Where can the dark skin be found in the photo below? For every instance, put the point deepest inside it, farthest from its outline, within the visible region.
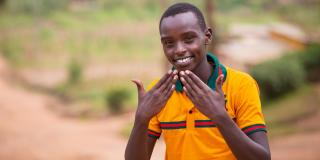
(183, 38)
(150, 103)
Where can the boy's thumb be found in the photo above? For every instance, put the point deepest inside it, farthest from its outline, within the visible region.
(219, 82)
(139, 86)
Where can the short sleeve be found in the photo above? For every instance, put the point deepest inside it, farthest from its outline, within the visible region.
(249, 115)
(154, 130)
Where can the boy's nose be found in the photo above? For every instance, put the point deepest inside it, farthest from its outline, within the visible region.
(180, 49)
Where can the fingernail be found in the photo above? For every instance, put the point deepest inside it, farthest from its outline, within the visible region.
(182, 73)
(175, 77)
(173, 86)
(170, 71)
(184, 88)
(175, 72)
(187, 71)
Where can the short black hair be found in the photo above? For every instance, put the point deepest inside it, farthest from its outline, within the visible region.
(182, 8)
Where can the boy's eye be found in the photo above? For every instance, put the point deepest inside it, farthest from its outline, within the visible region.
(168, 44)
(188, 39)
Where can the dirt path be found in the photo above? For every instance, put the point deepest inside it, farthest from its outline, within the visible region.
(296, 147)
(28, 130)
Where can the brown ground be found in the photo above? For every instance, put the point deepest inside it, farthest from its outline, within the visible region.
(28, 130)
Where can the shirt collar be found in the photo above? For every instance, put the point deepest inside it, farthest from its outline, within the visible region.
(217, 69)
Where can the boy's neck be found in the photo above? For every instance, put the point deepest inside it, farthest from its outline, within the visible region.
(204, 70)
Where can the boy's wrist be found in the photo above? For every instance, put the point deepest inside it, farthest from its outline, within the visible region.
(142, 119)
(219, 119)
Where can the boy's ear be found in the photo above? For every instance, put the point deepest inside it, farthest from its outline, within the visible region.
(208, 34)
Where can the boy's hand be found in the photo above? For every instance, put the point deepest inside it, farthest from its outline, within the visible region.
(150, 103)
(210, 102)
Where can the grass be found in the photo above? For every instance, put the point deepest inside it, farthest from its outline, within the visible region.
(94, 92)
(307, 17)
(68, 34)
(282, 114)
(7, 22)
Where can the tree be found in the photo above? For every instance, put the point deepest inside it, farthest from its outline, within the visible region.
(209, 9)
(2, 3)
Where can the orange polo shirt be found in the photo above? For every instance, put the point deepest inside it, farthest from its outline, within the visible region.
(190, 135)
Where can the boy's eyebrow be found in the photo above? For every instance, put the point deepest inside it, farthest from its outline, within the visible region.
(183, 34)
(165, 38)
(189, 32)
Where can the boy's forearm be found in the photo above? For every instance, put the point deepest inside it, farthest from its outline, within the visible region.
(137, 148)
(240, 144)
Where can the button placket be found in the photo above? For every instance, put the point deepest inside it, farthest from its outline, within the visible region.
(191, 119)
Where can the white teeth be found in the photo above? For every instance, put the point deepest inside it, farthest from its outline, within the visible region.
(184, 60)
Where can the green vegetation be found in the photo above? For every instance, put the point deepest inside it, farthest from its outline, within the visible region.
(35, 6)
(11, 49)
(278, 77)
(283, 114)
(115, 99)
(281, 76)
(305, 15)
(310, 59)
(75, 70)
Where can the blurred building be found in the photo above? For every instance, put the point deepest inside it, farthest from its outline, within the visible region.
(250, 44)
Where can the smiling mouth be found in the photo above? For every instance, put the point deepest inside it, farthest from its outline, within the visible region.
(184, 61)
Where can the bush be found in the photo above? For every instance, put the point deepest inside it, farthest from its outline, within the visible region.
(115, 99)
(75, 70)
(278, 77)
(310, 59)
(11, 50)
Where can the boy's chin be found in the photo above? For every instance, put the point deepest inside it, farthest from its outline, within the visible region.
(183, 68)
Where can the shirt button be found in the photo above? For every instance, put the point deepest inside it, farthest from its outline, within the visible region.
(190, 111)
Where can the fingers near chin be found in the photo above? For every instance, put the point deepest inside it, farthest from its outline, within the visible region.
(169, 92)
(188, 93)
(183, 80)
(191, 75)
(162, 87)
(186, 85)
(175, 78)
(164, 79)
(221, 77)
(185, 90)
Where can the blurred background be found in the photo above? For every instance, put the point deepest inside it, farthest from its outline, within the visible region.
(66, 66)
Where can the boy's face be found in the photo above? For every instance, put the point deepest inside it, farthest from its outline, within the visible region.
(183, 41)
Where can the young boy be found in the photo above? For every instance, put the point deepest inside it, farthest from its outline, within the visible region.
(203, 109)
